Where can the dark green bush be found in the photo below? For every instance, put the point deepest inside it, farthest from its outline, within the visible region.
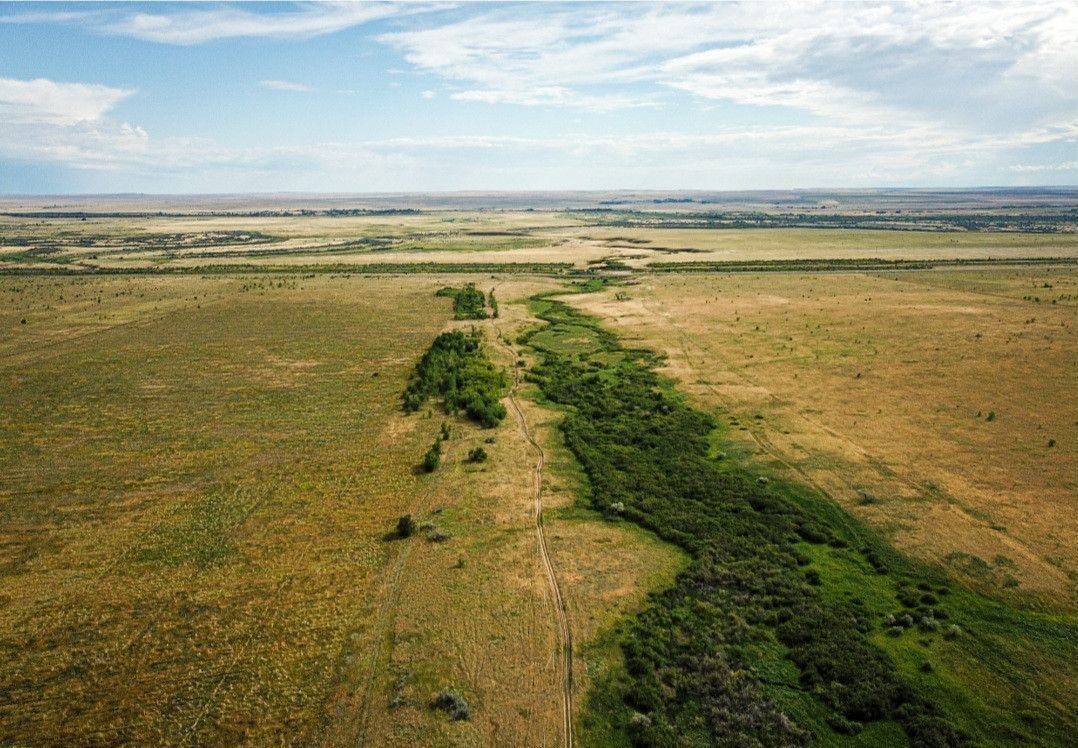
(433, 458)
(406, 526)
(468, 301)
(453, 704)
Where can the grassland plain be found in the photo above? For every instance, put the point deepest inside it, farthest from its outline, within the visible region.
(937, 406)
(200, 464)
(187, 491)
(1002, 676)
(475, 612)
(298, 242)
(198, 479)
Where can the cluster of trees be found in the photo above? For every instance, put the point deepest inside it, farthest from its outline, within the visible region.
(468, 301)
(691, 654)
(457, 368)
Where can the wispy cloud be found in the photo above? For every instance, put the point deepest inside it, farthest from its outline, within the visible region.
(738, 95)
(849, 62)
(197, 25)
(42, 101)
(284, 86)
(1038, 168)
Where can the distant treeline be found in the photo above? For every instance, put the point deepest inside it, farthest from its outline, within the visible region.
(1046, 222)
(331, 212)
(457, 368)
(376, 268)
(852, 264)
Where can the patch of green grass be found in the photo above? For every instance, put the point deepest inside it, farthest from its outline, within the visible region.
(205, 535)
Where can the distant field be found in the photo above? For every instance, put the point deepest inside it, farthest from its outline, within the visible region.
(883, 386)
(314, 242)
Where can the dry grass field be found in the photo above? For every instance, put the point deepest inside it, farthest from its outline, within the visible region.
(198, 479)
(202, 469)
(938, 406)
(311, 242)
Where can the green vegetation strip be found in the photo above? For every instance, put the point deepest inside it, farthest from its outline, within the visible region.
(856, 264)
(457, 368)
(792, 623)
(379, 268)
(1042, 221)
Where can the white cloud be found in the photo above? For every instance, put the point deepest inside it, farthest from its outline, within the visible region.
(427, 94)
(981, 65)
(1036, 168)
(47, 102)
(284, 86)
(197, 26)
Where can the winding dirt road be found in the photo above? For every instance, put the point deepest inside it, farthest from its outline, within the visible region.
(544, 552)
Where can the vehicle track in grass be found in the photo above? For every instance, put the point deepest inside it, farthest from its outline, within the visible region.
(565, 632)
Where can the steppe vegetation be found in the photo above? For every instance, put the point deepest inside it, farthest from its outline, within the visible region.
(806, 471)
(793, 621)
(906, 397)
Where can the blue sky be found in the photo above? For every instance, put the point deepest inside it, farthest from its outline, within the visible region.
(353, 97)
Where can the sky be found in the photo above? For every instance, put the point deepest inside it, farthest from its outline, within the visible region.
(377, 97)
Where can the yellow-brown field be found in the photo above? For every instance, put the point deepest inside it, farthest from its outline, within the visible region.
(938, 406)
(199, 476)
(300, 242)
(202, 467)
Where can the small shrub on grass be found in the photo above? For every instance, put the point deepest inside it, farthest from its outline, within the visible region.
(405, 526)
(453, 704)
(433, 457)
(445, 431)
(477, 455)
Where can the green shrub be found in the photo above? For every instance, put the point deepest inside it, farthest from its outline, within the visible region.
(433, 458)
(468, 301)
(453, 704)
(406, 526)
(477, 455)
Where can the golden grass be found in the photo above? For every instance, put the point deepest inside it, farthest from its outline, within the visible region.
(884, 384)
(694, 245)
(197, 480)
